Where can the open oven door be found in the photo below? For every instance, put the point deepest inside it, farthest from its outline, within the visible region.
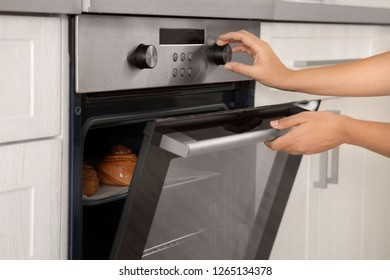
(206, 187)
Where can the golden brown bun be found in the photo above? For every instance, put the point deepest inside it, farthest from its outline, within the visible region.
(117, 168)
(90, 180)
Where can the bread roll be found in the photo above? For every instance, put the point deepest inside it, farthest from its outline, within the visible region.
(117, 168)
(90, 180)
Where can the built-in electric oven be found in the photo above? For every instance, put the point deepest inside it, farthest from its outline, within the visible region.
(204, 185)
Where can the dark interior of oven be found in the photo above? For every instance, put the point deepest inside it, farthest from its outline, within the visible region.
(101, 217)
(109, 119)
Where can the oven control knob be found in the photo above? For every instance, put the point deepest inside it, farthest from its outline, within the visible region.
(146, 56)
(222, 54)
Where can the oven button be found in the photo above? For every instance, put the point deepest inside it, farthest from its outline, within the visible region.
(190, 57)
(146, 56)
(190, 71)
(183, 56)
(175, 57)
(182, 72)
(222, 54)
(174, 72)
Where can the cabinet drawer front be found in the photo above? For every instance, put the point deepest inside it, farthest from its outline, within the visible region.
(30, 85)
(301, 45)
(30, 200)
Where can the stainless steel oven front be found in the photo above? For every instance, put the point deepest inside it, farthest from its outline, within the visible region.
(204, 184)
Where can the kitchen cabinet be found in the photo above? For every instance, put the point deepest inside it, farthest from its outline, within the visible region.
(376, 215)
(30, 77)
(33, 126)
(326, 223)
(30, 200)
(335, 212)
(350, 218)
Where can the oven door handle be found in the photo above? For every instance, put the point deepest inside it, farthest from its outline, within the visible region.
(184, 146)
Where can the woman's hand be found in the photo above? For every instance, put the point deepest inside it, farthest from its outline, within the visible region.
(266, 69)
(310, 133)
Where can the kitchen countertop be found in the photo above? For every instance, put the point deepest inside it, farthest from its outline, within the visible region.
(328, 11)
(278, 10)
(41, 6)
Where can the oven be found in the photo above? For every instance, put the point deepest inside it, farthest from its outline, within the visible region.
(202, 184)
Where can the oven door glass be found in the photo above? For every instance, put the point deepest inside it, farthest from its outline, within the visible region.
(206, 187)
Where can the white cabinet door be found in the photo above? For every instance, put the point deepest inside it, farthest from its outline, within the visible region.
(325, 223)
(349, 219)
(30, 77)
(292, 236)
(30, 200)
(335, 212)
(376, 204)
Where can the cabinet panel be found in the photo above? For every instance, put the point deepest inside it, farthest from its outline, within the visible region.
(291, 239)
(376, 219)
(349, 219)
(17, 226)
(30, 73)
(30, 200)
(336, 211)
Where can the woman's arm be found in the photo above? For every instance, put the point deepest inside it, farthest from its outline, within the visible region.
(315, 132)
(366, 77)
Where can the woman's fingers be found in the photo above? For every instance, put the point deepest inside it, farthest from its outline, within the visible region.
(310, 133)
(242, 48)
(242, 36)
(289, 122)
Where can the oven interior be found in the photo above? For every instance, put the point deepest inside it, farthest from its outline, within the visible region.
(102, 211)
(109, 119)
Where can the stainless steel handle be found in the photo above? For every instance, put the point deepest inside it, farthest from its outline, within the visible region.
(324, 180)
(315, 63)
(184, 146)
(334, 171)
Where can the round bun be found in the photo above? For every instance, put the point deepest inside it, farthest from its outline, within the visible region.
(117, 168)
(90, 180)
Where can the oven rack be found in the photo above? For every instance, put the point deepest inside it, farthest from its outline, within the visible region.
(108, 193)
(105, 193)
(201, 234)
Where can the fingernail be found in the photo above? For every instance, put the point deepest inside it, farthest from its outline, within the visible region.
(274, 123)
(228, 66)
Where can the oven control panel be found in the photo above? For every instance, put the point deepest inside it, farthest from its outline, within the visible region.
(123, 52)
(145, 56)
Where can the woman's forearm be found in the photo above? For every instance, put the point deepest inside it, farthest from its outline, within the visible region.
(366, 77)
(374, 136)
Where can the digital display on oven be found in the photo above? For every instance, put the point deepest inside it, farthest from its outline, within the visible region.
(181, 36)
